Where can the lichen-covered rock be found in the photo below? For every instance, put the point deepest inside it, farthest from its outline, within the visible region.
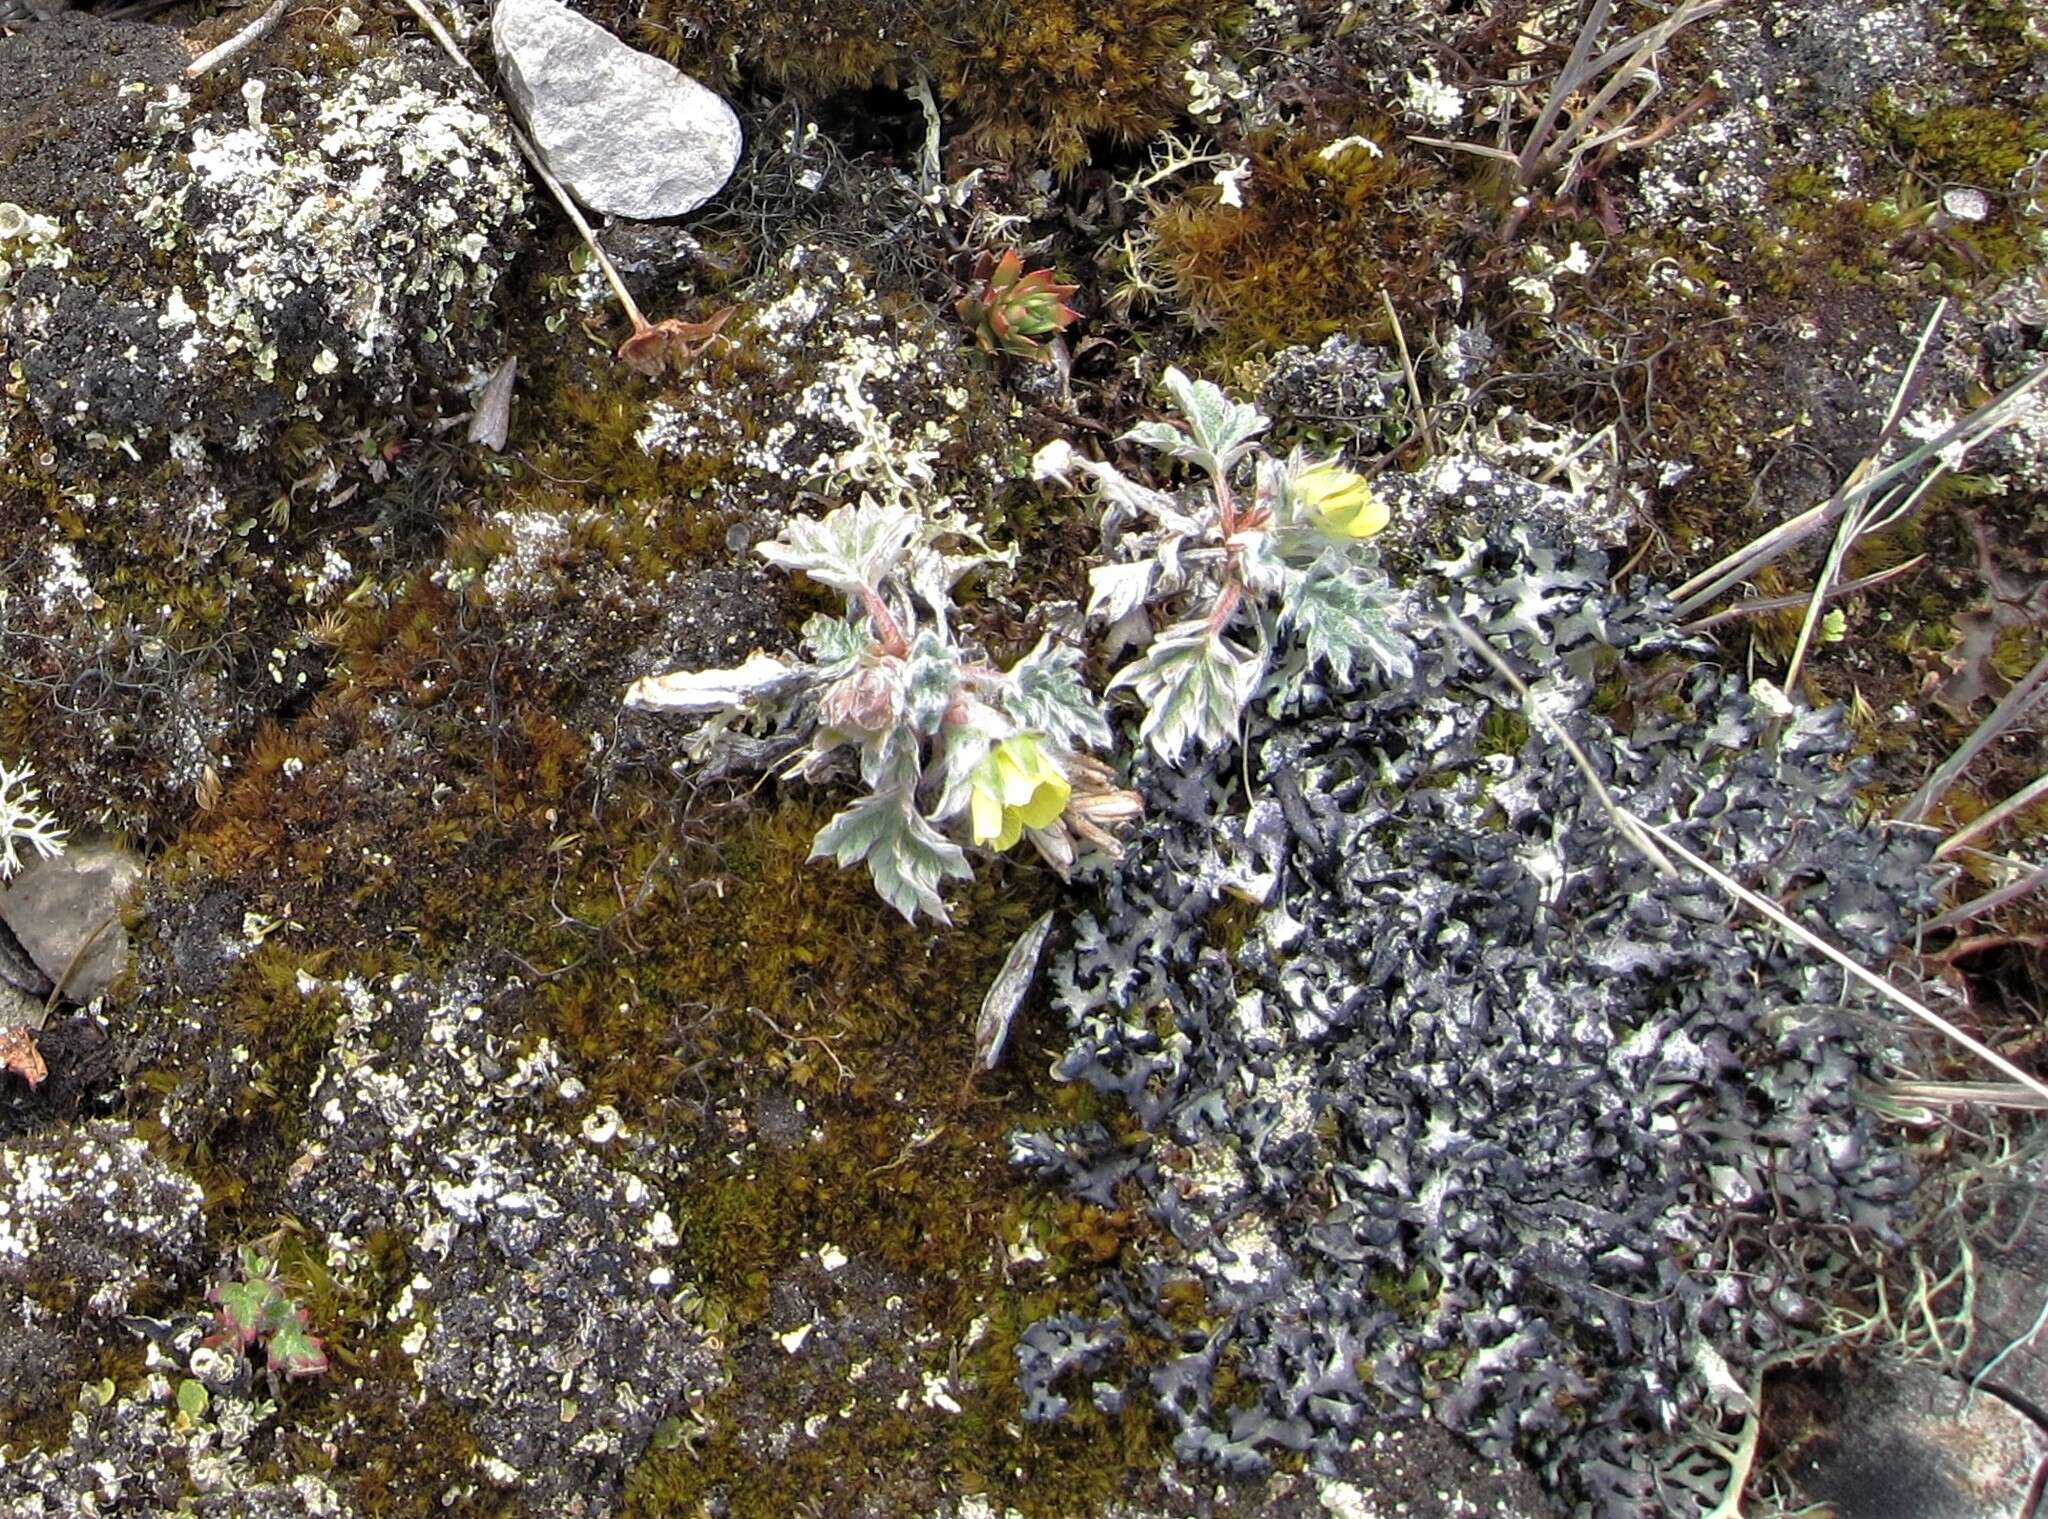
(842, 394)
(137, 1454)
(1473, 1117)
(207, 275)
(92, 1212)
(548, 1302)
(93, 1226)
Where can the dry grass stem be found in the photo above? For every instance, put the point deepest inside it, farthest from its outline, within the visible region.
(2018, 702)
(2004, 896)
(2018, 802)
(2000, 412)
(1871, 979)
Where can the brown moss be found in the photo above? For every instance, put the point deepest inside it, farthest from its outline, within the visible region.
(1316, 241)
(1030, 78)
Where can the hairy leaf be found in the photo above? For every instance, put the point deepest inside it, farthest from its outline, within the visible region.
(1116, 590)
(850, 548)
(1122, 497)
(761, 681)
(837, 643)
(1049, 697)
(1219, 430)
(929, 676)
(905, 855)
(1194, 684)
(1342, 615)
(966, 745)
(1263, 567)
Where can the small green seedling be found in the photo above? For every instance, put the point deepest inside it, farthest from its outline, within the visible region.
(256, 1308)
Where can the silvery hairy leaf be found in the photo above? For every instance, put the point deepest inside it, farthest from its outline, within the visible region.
(837, 643)
(1116, 589)
(1194, 684)
(1263, 567)
(761, 680)
(930, 674)
(1123, 499)
(966, 745)
(908, 858)
(1048, 696)
(1342, 615)
(850, 549)
(1219, 431)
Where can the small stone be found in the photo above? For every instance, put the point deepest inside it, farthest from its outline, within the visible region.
(627, 134)
(1965, 204)
(67, 914)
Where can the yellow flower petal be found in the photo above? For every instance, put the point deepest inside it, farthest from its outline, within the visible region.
(1046, 804)
(1338, 501)
(984, 811)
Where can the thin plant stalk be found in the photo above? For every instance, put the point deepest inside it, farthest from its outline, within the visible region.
(1857, 519)
(1994, 415)
(1962, 1094)
(2018, 802)
(1408, 370)
(1780, 603)
(1797, 930)
(1991, 901)
(2018, 701)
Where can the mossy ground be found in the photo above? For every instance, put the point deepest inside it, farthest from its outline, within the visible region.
(408, 777)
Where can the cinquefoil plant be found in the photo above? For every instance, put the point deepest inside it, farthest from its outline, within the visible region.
(944, 740)
(1260, 594)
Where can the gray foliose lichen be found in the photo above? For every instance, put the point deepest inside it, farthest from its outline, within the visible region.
(1485, 1117)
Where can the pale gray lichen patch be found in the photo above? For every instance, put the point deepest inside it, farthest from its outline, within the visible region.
(852, 397)
(325, 254)
(132, 1452)
(93, 1209)
(549, 1299)
(1792, 82)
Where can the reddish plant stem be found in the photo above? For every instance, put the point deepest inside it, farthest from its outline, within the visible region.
(1226, 604)
(887, 632)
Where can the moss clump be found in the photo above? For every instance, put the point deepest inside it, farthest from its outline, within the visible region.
(1327, 224)
(1029, 77)
(1981, 145)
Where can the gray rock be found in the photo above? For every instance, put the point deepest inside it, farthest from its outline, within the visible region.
(67, 914)
(1907, 1442)
(628, 134)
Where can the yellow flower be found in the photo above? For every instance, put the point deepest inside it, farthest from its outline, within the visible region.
(1015, 787)
(1338, 500)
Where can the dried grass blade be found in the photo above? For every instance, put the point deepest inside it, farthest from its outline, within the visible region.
(1813, 941)
(1991, 901)
(2017, 703)
(2018, 802)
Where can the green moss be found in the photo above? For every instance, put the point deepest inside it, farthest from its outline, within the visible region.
(1503, 731)
(1967, 143)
